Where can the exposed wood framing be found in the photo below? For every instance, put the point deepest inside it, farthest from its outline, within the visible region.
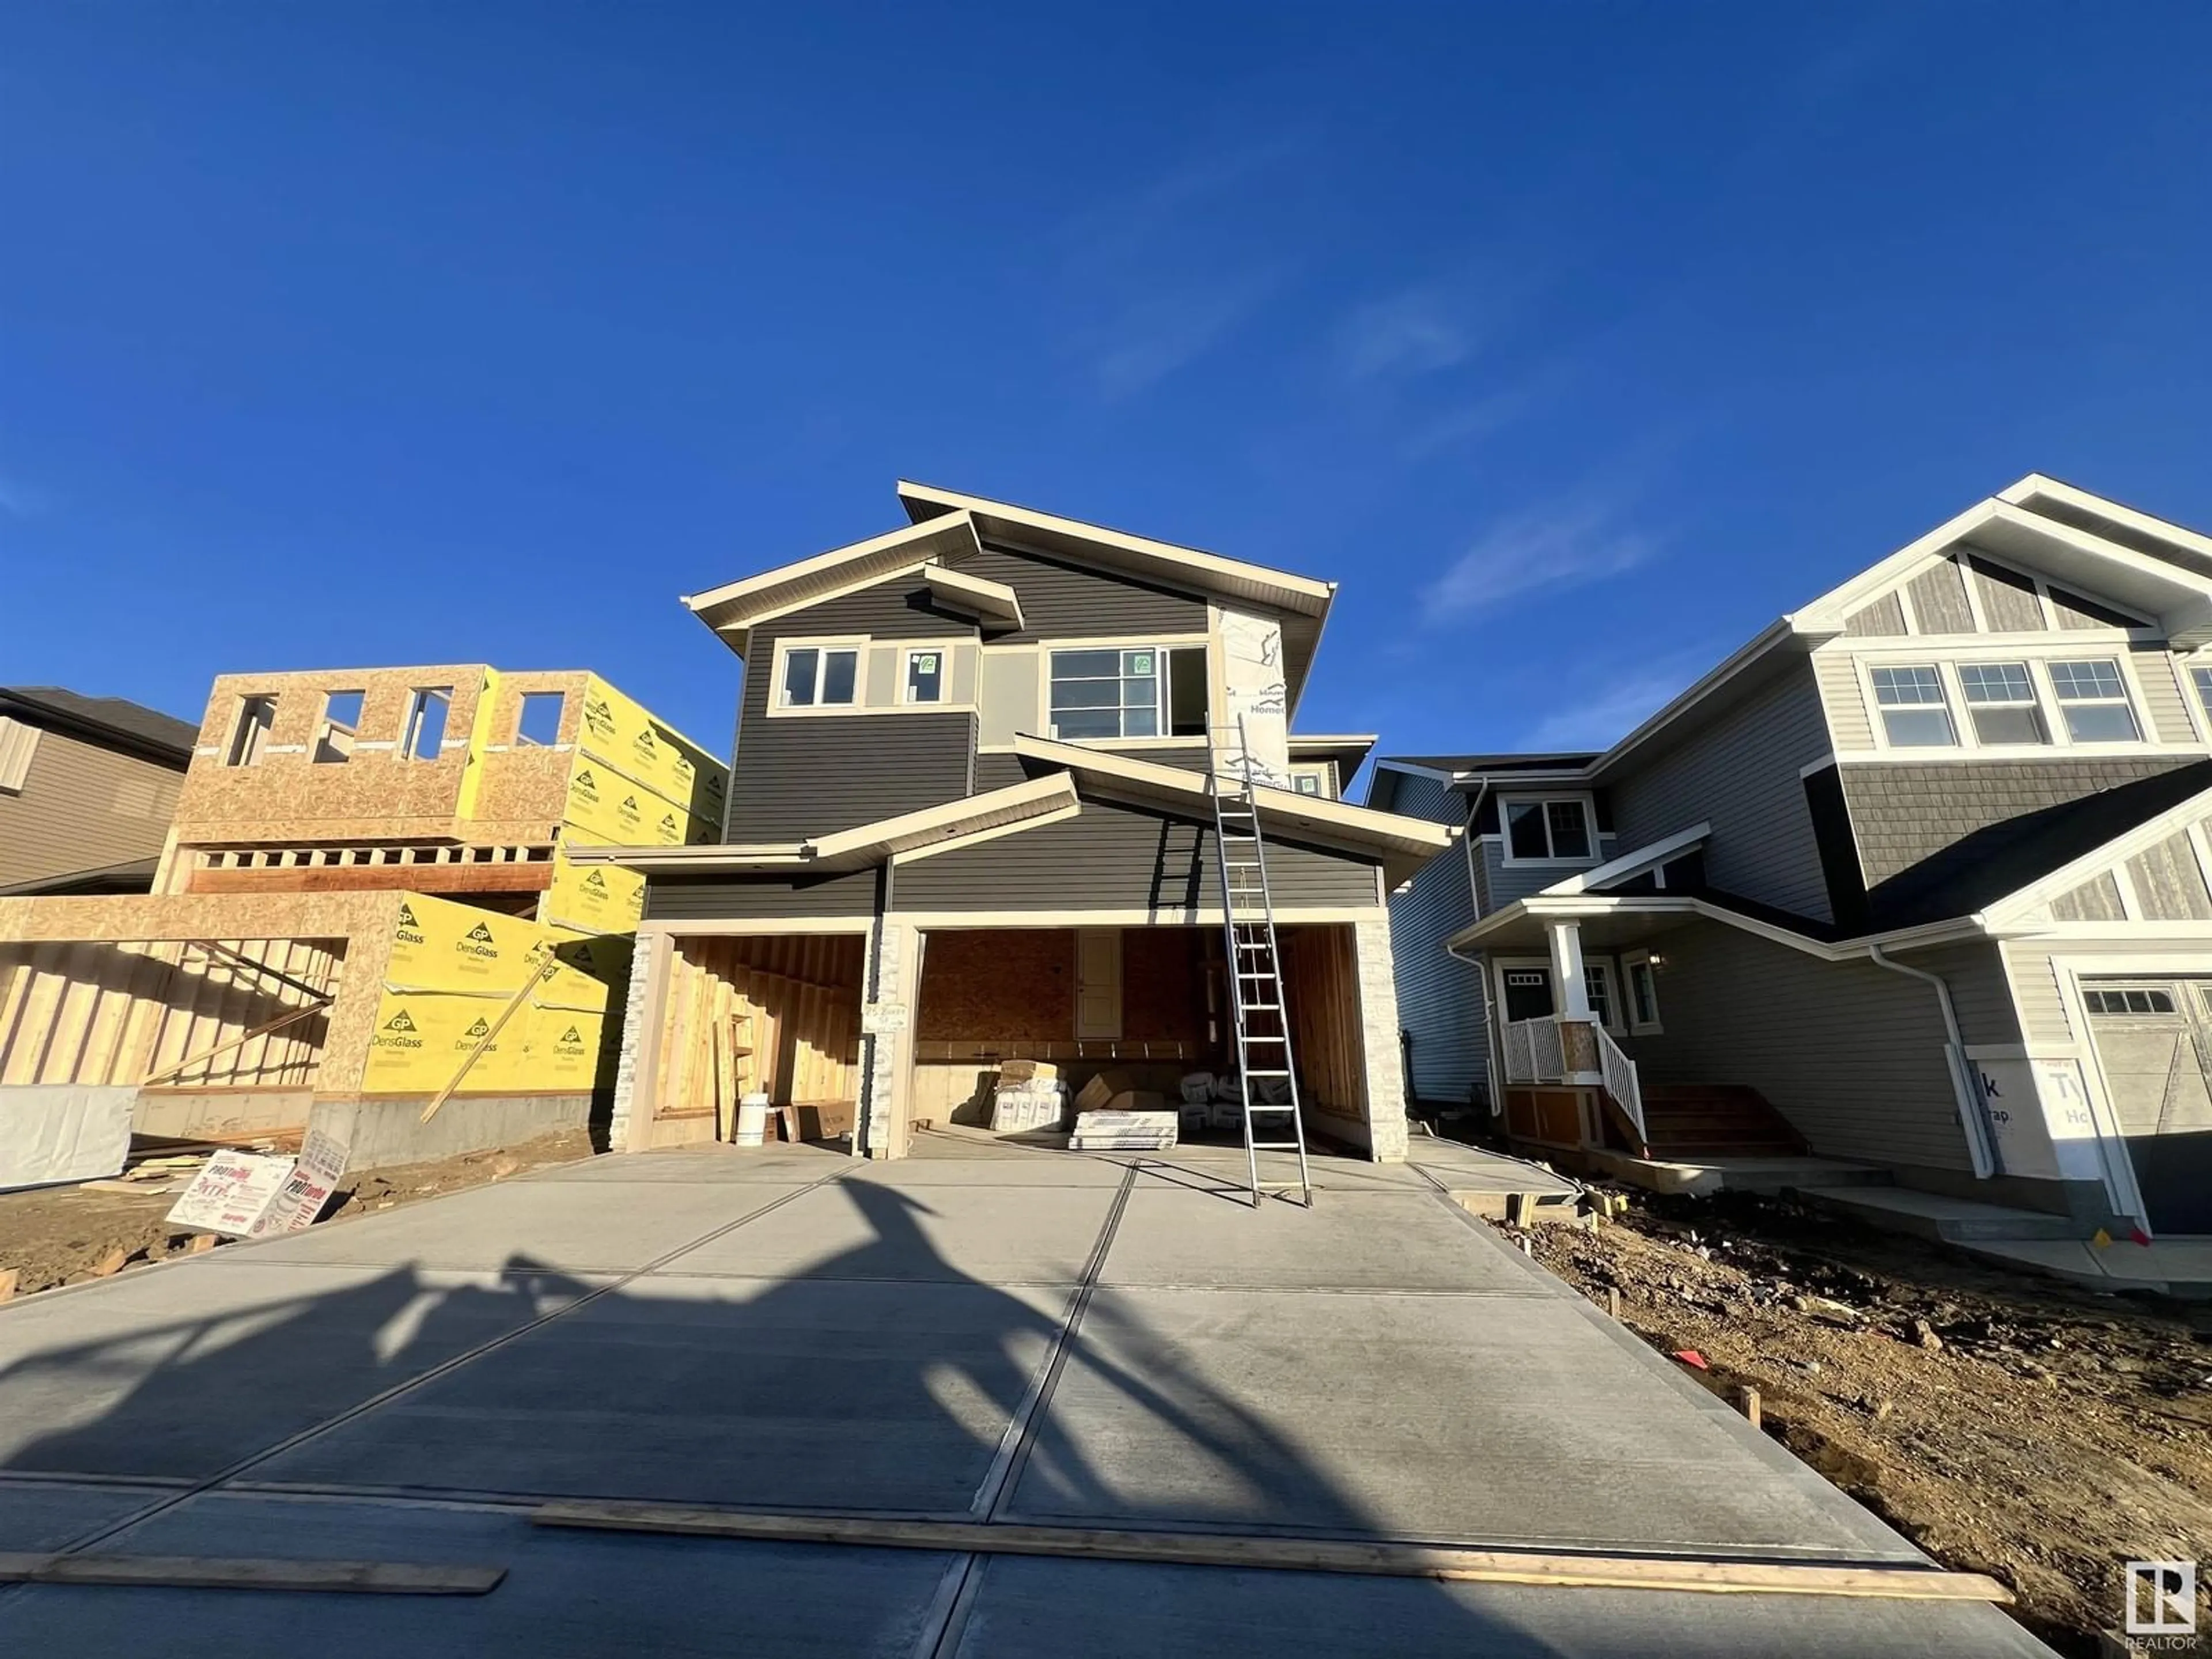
(796, 1001)
(1321, 985)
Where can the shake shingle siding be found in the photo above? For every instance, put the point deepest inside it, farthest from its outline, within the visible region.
(1440, 1002)
(1851, 1053)
(1116, 858)
(1742, 773)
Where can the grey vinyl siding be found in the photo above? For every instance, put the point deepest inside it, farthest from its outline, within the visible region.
(1194, 758)
(1066, 601)
(2095, 900)
(711, 898)
(1117, 857)
(2158, 674)
(1440, 1000)
(83, 807)
(2034, 978)
(1903, 813)
(1981, 995)
(1852, 1054)
(1742, 773)
(1503, 883)
(805, 775)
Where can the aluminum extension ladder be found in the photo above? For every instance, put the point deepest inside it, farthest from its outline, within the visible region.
(1256, 976)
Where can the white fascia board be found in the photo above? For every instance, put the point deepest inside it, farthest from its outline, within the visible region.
(871, 843)
(1773, 636)
(2035, 486)
(2012, 908)
(992, 601)
(1413, 771)
(1307, 594)
(1633, 863)
(709, 859)
(735, 605)
(1567, 907)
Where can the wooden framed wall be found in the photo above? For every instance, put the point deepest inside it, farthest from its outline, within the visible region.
(1322, 974)
(790, 1002)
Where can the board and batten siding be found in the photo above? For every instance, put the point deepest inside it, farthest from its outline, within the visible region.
(1440, 1000)
(1851, 1053)
(1743, 772)
(804, 775)
(83, 807)
(1117, 857)
(714, 898)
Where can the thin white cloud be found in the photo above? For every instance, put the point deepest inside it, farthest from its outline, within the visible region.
(1531, 552)
(1414, 333)
(1136, 349)
(1613, 711)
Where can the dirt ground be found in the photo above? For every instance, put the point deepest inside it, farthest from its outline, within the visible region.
(66, 1235)
(2009, 1425)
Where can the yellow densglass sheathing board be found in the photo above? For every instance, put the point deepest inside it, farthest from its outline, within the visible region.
(453, 971)
(625, 735)
(607, 808)
(594, 898)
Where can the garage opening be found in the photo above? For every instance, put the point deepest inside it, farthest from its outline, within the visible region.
(1150, 1003)
(751, 1016)
(2154, 1039)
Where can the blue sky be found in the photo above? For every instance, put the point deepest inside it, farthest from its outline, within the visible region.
(1576, 341)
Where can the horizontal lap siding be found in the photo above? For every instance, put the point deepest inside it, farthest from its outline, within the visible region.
(2035, 977)
(710, 899)
(804, 775)
(1440, 1005)
(1845, 699)
(82, 807)
(1980, 994)
(1852, 1054)
(1743, 772)
(1112, 858)
(2158, 675)
(1065, 601)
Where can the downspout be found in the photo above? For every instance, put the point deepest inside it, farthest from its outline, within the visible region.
(1964, 1085)
(1493, 1053)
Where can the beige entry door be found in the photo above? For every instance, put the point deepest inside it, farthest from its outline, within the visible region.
(1097, 983)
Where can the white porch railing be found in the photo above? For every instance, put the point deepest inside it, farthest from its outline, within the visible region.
(1520, 1053)
(1620, 1080)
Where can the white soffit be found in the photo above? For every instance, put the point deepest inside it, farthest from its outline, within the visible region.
(993, 602)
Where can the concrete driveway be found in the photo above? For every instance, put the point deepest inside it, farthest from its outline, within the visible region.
(1036, 1337)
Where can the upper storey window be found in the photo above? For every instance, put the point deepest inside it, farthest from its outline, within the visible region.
(1548, 831)
(2094, 700)
(1106, 693)
(1913, 712)
(2000, 702)
(820, 677)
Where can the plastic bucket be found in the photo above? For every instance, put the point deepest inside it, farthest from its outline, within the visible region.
(752, 1119)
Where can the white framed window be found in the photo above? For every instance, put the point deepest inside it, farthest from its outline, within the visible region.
(1641, 971)
(818, 674)
(2201, 678)
(1914, 713)
(2001, 703)
(923, 674)
(1312, 781)
(2093, 701)
(1598, 984)
(1553, 830)
(1107, 691)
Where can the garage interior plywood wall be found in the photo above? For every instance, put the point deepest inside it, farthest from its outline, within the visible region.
(1322, 985)
(116, 1012)
(988, 985)
(791, 1005)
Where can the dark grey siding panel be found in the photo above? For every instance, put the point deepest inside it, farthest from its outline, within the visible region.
(997, 771)
(1440, 1005)
(813, 776)
(1850, 1054)
(1980, 994)
(708, 898)
(1903, 814)
(1191, 759)
(1742, 774)
(1115, 858)
(1065, 601)
(1503, 883)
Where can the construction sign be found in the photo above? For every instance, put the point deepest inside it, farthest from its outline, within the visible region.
(595, 898)
(624, 734)
(439, 946)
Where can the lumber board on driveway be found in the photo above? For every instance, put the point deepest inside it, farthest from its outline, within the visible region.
(238, 1572)
(1380, 1558)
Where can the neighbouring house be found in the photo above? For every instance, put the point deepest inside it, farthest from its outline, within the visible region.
(1917, 878)
(87, 789)
(365, 902)
(971, 820)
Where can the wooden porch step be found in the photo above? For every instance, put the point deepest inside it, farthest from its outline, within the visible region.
(1717, 1120)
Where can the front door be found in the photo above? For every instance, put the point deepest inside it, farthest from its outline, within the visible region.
(1099, 982)
(2155, 1043)
(1527, 992)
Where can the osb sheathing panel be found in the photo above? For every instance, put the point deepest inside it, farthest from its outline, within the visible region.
(1014, 985)
(288, 796)
(1163, 975)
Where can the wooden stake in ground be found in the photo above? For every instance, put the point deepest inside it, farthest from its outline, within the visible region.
(218, 1572)
(1387, 1559)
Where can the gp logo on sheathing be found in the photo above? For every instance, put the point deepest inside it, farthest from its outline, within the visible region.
(596, 880)
(400, 1022)
(2161, 1598)
(481, 1028)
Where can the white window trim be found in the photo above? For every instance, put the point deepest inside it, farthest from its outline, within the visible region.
(1965, 740)
(907, 653)
(856, 643)
(1590, 823)
(1629, 961)
(1158, 647)
(1616, 989)
(1325, 770)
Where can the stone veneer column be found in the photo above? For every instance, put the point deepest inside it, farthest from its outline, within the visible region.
(891, 947)
(633, 1037)
(1378, 1022)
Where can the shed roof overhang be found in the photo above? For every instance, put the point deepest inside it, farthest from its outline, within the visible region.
(1401, 845)
(733, 608)
(1616, 921)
